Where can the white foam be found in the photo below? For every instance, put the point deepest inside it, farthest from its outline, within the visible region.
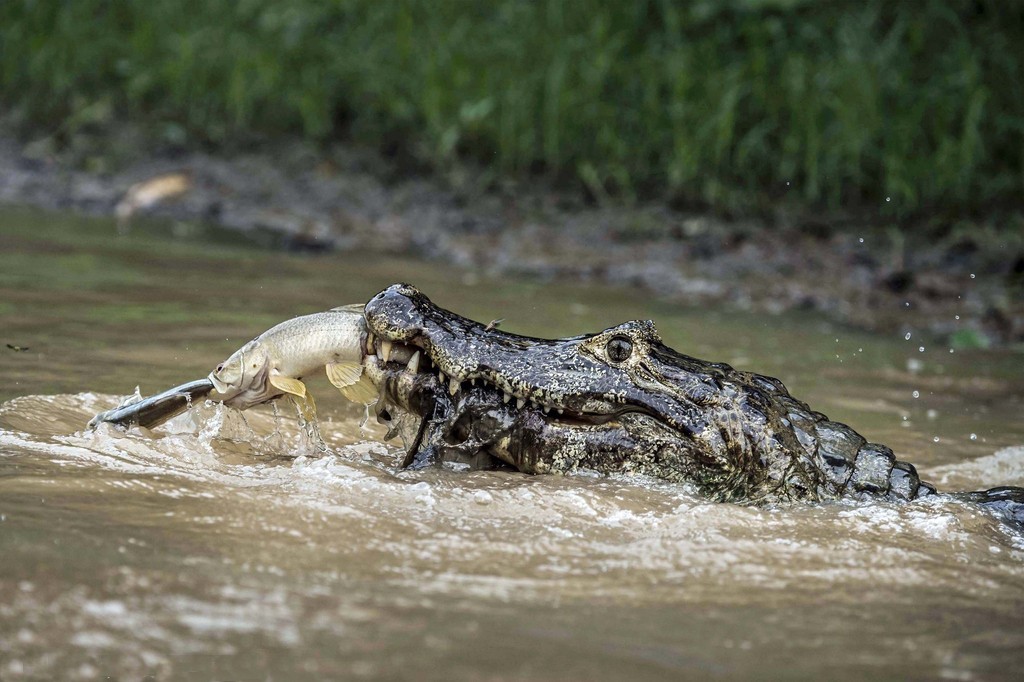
(499, 534)
(1003, 467)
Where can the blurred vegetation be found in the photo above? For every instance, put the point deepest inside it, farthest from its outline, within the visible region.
(902, 107)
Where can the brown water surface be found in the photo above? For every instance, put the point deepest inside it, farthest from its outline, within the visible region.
(223, 547)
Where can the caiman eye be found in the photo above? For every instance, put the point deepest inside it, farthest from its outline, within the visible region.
(619, 348)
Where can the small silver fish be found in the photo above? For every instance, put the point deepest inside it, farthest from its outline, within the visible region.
(155, 410)
(274, 363)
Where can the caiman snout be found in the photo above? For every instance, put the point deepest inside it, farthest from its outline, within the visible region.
(586, 378)
(394, 313)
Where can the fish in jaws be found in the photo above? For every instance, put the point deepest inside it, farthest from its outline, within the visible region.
(274, 363)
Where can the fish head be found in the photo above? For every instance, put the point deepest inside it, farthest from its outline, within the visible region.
(246, 371)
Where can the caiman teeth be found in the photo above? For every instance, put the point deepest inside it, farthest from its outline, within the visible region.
(369, 344)
(453, 386)
(414, 363)
(507, 397)
(385, 350)
(520, 403)
(440, 376)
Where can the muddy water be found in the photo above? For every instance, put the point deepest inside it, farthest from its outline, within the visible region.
(223, 547)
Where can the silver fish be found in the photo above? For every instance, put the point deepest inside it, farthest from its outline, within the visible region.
(155, 410)
(269, 366)
(274, 363)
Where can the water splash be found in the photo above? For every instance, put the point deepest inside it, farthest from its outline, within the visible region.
(249, 528)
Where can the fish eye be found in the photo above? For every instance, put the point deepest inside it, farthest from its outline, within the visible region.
(619, 348)
(220, 368)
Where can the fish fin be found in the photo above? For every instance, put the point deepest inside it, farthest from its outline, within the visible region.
(348, 378)
(362, 392)
(343, 374)
(350, 308)
(288, 385)
(307, 408)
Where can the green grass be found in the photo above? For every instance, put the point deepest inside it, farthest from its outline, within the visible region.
(899, 107)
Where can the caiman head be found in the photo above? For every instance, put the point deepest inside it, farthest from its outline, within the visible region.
(617, 400)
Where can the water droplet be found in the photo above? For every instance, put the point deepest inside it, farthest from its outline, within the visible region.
(861, 240)
(907, 337)
(920, 349)
(906, 418)
(860, 350)
(956, 317)
(935, 439)
(932, 414)
(972, 275)
(974, 436)
(916, 394)
(787, 183)
(888, 199)
(951, 351)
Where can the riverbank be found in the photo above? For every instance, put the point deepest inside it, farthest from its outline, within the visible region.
(961, 284)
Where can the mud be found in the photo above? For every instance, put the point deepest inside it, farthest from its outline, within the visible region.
(962, 282)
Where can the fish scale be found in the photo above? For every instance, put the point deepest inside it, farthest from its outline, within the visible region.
(274, 363)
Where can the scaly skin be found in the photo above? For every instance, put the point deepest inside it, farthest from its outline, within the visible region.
(583, 403)
(837, 463)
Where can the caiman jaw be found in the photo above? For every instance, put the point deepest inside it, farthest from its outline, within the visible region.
(391, 357)
(407, 331)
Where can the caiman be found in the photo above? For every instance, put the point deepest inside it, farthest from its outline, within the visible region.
(618, 401)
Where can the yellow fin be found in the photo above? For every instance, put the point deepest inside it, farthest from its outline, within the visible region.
(307, 409)
(362, 392)
(343, 374)
(348, 377)
(288, 385)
